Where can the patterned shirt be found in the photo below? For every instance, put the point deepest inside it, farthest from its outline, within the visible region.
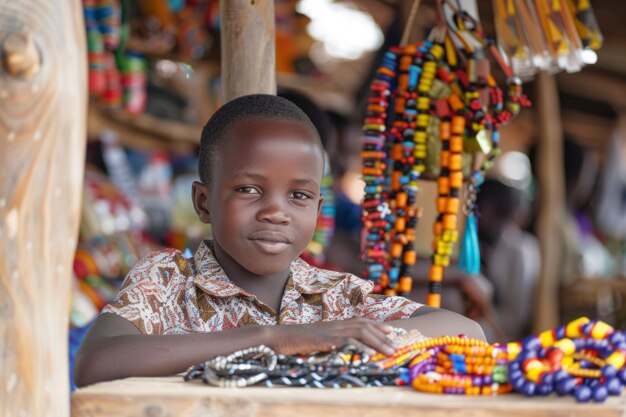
(165, 293)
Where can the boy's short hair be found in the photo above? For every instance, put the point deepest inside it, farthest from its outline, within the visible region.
(263, 106)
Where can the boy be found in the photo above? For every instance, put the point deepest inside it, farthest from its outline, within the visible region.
(261, 164)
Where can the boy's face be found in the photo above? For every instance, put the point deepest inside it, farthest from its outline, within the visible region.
(264, 194)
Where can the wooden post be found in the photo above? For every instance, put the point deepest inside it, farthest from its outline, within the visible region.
(248, 47)
(552, 202)
(43, 98)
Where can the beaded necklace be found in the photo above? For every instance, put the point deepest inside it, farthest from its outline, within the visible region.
(315, 252)
(404, 98)
(342, 368)
(584, 358)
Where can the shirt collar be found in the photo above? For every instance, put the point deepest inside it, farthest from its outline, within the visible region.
(305, 279)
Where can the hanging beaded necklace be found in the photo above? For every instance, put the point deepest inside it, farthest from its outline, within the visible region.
(415, 85)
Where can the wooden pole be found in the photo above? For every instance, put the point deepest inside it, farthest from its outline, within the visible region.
(248, 48)
(552, 202)
(43, 97)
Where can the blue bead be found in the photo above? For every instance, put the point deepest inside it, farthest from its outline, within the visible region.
(609, 371)
(616, 337)
(560, 374)
(559, 332)
(515, 374)
(394, 273)
(614, 386)
(582, 393)
(544, 389)
(531, 343)
(518, 384)
(529, 388)
(600, 393)
(548, 379)
(565, 386)
(524, 355)
(514, 366)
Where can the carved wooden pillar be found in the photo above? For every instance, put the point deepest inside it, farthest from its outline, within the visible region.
(248, 47)
(43, 98)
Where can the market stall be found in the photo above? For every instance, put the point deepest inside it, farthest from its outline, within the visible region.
(44, 113)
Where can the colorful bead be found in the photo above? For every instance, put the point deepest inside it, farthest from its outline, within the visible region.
(582, 360)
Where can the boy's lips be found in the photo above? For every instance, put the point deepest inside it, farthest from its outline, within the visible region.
(270, 242)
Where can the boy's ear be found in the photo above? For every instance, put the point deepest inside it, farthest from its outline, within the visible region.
(200, 198)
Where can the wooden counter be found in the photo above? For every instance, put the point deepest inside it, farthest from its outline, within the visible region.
(171, 397)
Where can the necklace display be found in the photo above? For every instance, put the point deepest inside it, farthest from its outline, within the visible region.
(432, 83)
(585, 359)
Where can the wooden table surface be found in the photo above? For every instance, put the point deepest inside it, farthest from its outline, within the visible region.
(171, 397)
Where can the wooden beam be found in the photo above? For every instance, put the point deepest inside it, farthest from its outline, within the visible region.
(142, 131)
(594, 132)
(552, 198)
(43, 97)
(596, 87)
(248, 48)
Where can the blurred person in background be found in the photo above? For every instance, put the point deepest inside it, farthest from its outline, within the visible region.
(510, 260)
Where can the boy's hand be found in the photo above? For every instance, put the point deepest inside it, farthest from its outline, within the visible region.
(368, 335)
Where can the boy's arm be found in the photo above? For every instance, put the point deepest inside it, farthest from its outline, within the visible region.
(435, 322)
(114, 348)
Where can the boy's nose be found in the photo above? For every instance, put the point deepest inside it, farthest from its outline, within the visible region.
(273, 212)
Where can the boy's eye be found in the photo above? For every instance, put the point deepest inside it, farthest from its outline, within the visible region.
(300, 195)
(247, 190)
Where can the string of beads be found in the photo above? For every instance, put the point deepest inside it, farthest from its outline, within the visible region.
(416, 87)
(584, 358)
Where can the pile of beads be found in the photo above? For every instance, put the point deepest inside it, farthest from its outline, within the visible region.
(343, 368)
(452, 365)
(117, 77)
(583, 358)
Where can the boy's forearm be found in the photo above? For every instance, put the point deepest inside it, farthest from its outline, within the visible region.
(433, 322)
(146, 355)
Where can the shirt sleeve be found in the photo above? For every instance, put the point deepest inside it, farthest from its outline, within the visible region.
(376, 306)
(142, 298)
